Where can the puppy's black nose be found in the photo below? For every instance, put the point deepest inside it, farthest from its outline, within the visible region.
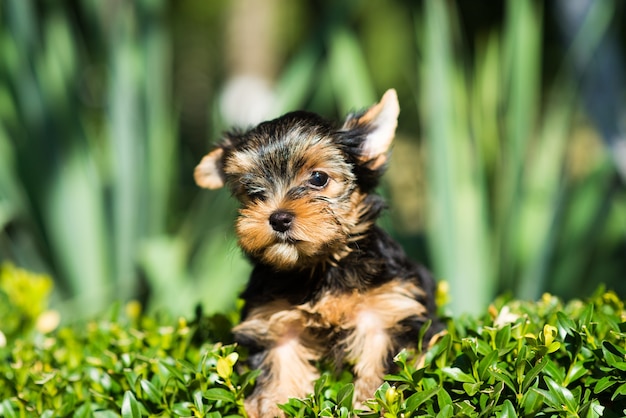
(281, 221)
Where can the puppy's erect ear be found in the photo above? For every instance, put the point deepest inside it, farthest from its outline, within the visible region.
(210, 172)
(379, 122)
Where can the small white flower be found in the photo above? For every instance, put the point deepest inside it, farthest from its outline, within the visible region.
(48, 321)
(505, 317)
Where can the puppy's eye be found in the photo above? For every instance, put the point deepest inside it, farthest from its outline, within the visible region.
(318, 179)
(256, 195)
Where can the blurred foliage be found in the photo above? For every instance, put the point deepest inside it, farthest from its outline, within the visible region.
(544, 358)
(24, 298)
(89, 190)
(105, 108)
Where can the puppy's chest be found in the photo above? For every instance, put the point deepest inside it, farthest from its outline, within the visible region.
(382, 307)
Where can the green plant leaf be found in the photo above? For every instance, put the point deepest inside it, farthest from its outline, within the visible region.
(614, 355)
(487, 362)
(414, 401)
(345, 395)
(446, 412)
(458, 375)
(183, 409)
(561, 396)
(576, 371)
(224, 368)
(586, 316)
(508, 410)
(471, 388)
(603, 384)
(219, 394)
(620, 391)
(174, 371)
(504, 378)
(532, 374)
(153, 394)
(532, 402)
(6, 409)
(566, 325)
(130, 406)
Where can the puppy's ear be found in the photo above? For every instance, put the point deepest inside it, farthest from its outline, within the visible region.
(210, 172)
(379, 124)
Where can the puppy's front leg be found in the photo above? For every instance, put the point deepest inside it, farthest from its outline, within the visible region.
(368, 347)
(287, 369)
(370, 343)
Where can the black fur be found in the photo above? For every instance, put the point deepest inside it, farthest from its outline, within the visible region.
(335, 285)
(376, 259)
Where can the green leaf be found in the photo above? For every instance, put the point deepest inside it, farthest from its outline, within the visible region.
(345, 395)
(443, 399)
(131, 377)
(417, 399)
(471, 388)
(183, 409)
(446, 412)
(563, 396)
(532, 402)
(458, 375)
(500, 375)
(555, 371)
(198, 402)
(466, 408)
(6, 409)
(577, 371)
(565, 323)
(586, 316)
(174, 371)
(614, 355)
(503, 337)
(153, 394)
(532, 374)
(130, 406)
(592, 409)
(621, 390)
(488, 361)
(224, 368)
(219, 394)
(437, 353)
(468, 347)
(248, 377)
(319, 385)
(508, 410)
(603, 384)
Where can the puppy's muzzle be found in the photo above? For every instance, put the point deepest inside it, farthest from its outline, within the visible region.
(281, 221)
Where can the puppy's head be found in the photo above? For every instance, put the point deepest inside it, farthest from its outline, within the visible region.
(303, 183)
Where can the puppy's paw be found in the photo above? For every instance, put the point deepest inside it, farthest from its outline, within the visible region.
(263, 407)
(364, 389)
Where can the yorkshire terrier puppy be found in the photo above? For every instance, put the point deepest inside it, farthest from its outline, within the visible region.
(327, 282)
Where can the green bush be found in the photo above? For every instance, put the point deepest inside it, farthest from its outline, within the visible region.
(544, 358)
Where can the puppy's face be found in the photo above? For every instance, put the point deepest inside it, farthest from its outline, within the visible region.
(302, 183)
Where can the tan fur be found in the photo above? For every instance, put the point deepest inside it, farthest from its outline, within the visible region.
(368, 318)
(208, 173)
(289, 359)
(314, 228)
(383, 116)
(320, 225)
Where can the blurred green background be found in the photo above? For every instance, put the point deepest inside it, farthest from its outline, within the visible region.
(507, 173)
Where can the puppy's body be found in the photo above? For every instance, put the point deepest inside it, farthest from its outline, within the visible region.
(327, 282)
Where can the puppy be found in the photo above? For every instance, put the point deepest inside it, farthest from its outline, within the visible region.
(327, 282)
